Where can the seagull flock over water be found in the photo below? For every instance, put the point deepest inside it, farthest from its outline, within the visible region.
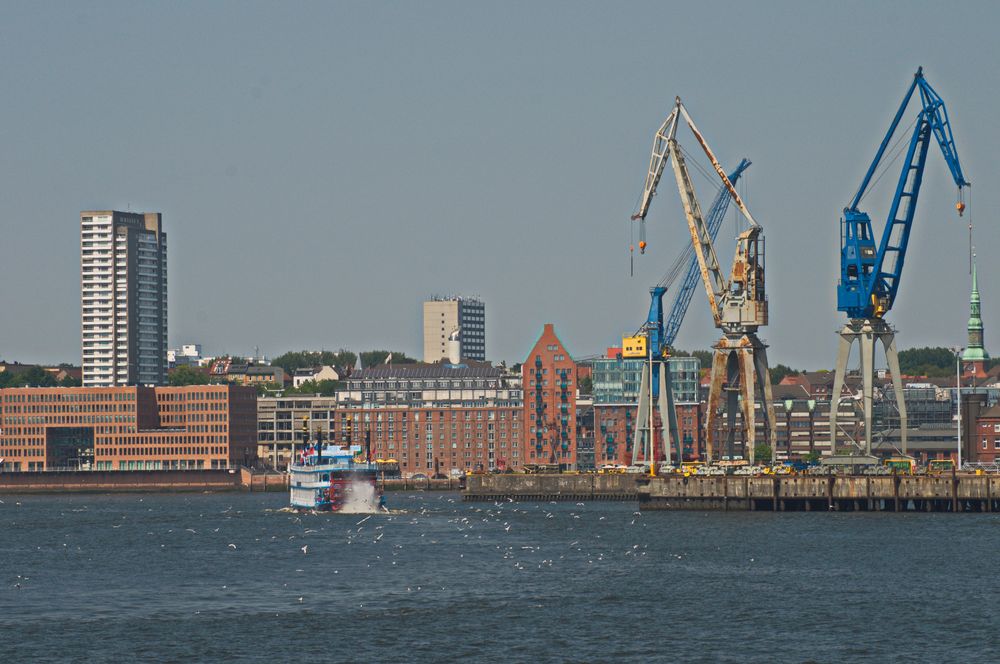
(403, 545)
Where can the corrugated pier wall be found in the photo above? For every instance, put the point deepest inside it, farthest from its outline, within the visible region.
(877, 493)
(551, 487)
(885, 493)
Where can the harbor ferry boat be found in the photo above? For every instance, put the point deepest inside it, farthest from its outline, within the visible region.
(330, 477)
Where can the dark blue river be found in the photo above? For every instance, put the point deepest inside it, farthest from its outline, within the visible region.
(230, 577)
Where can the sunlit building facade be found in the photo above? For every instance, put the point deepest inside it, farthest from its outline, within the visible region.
(127, 428)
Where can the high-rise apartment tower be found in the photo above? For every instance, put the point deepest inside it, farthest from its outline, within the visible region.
(443, 315)
(123, 258)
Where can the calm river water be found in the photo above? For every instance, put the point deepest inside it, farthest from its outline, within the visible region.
(136, 578)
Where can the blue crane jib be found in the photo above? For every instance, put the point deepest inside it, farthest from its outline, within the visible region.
(870, 273)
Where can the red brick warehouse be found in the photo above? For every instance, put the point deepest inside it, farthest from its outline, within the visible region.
(548, 376)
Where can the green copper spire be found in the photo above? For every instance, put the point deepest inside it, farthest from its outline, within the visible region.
(975, 350)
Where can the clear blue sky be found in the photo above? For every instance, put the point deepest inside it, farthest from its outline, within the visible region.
(323, 167)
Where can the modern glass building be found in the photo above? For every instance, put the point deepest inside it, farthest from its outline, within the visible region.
(617, 380)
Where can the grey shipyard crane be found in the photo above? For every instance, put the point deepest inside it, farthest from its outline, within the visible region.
(738, 304)
(655, 338)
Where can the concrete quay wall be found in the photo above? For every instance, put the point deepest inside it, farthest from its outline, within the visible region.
(551, 487)
(421, 484)
(941, 493)
(241, 479)
(104, 481)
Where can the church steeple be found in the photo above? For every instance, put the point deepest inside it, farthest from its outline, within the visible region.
(975, 355)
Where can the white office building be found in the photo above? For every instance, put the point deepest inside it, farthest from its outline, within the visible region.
(123, 257)
(445, 315)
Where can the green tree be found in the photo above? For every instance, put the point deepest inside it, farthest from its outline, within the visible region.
(372, 357)
(586, 385)
(326, 388)
(927, 361)
(303, 359)
(705, 357)
(779, 371)
(762, 453)
(32, 377)
(70, 381)
(185, 375)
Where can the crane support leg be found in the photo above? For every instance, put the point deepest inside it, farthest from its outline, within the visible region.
(764, 379)
(714, 394)
(843, 355)
(866, 338)
(867, 332)
(892, 360)
(643, 435)
(748, 393)
(742, 362)
(732, 399)
(665, 402)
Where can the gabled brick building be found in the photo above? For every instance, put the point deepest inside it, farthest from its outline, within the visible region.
(549, 377)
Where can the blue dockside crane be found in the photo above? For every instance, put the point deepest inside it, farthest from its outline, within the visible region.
(870, 274)
(869, 277)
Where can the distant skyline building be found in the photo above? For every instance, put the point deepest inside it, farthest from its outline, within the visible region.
(123, 261)
(186, 355)
(444, 315)
(975, 356)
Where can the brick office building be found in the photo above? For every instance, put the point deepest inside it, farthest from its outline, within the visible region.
(435, 419)
(986, 442)
(127, 428)
(549, 377)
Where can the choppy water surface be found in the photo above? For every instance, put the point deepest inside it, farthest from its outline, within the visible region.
(228, 577)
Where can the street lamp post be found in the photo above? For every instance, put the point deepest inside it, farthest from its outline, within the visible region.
(958, 392)
(789, 404)
(811, 405)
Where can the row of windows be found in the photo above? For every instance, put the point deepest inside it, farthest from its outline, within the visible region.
(55, 397)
